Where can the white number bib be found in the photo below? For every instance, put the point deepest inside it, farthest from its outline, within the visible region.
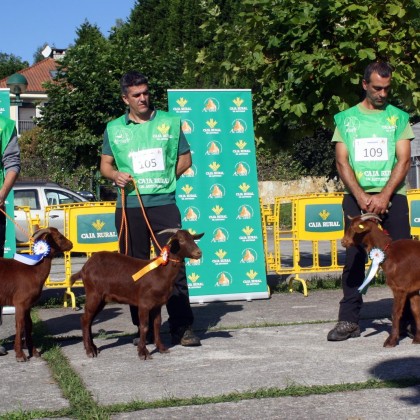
(370, 149)
(147, 160)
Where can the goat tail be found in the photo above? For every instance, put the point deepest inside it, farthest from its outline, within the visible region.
(75, 277)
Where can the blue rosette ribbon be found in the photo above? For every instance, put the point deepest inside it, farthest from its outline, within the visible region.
(40, 250)
(378, 257)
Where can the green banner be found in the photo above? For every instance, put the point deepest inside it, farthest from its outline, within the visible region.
(218, 195)
(415, 213)
(323, 218)
(10, 244)
(96, 228)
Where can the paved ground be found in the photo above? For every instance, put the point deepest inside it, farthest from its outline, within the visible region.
(257, 345)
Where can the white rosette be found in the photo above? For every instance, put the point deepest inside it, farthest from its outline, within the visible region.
(377, 256)
(41, 248)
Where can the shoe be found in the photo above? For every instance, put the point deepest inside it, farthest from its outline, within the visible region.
(186, 337)
(3, 351)
(344, 330)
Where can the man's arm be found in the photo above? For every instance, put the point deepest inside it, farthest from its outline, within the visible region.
(379, 202)
(184, 162)
(108, 171)
(348, 177)
(11, 165)
(9, 181)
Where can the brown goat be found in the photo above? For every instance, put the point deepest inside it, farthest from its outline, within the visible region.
(107, 276)
(401, 268)
(21, 286)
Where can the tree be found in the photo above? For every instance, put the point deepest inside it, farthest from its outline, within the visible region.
(10, 64)
(304, 60)
(85, 95)
(82, 98)
(316, 154)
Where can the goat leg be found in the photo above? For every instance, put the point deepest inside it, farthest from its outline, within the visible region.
(20, 326)
(157, 322)
(143, 328)
(415, 310)
(89, 345)
(92, 308)
(397, 310)
(32, 350)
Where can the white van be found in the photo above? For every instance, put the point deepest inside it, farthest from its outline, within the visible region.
(38, 195)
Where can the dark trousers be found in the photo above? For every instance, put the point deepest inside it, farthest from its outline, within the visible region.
(139, 237)
(396, 223)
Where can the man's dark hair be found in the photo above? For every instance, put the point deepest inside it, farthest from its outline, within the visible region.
(382, 68)
(132, 78)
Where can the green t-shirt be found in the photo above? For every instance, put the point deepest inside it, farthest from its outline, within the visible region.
(370, 137)
(149, 200)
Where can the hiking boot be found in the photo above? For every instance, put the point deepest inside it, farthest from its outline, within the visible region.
(185, 336)
(344, 330)
(3, 351)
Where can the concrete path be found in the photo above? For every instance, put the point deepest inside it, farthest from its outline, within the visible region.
(246, 346)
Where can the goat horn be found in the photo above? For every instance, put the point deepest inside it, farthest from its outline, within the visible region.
(40, 232)
(174, 230)
(367, 216)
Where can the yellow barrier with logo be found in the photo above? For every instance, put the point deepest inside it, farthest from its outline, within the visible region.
(315, 220)
(91, 228)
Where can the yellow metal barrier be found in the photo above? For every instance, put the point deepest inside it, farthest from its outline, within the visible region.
(31, 225)
(316, 219)
(91, 228)
(313, 219)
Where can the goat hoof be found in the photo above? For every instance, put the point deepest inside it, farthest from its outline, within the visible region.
(35, 353)
(390, 343)
(162, 349)
(92, 354)
(145, 355)
(21, 359)
(416, 341)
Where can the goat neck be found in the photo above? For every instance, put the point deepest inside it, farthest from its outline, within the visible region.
(376, 238)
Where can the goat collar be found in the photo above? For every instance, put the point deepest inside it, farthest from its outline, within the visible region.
(163, 259)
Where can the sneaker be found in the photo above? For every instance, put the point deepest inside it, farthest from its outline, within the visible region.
(186, 337)
(344, 330)
(3, 351)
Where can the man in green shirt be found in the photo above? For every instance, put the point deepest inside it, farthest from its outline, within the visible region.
(10, 168)
(147, 146)
(372, 146)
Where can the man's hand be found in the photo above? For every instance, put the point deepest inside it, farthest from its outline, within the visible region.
(378, 204)
(121, 179)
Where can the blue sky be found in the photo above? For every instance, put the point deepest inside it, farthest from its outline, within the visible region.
(27, 24)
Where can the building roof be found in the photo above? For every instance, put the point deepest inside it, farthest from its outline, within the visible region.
(36, 75)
